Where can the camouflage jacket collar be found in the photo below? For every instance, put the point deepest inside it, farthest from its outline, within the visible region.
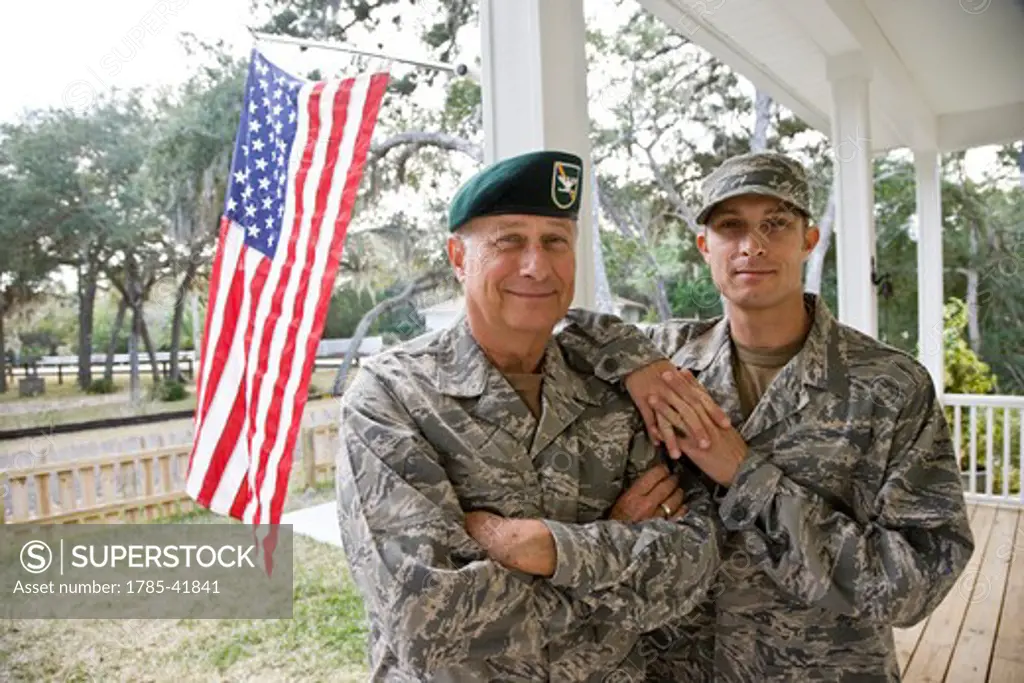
(464, 370)
(822, 360)
(821, 364)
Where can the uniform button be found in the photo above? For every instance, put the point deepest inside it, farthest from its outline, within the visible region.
(739, 513)
(610, 365)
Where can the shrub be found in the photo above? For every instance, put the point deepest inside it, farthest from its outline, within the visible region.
(101, 386)
(966, 373)
(169, 390)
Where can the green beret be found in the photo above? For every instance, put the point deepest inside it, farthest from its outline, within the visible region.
(546, 183)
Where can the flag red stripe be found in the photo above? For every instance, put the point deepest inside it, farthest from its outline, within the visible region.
(229, 322)
(222, 345)
(371, 107)
(233, 426)
(215, 274)
(340, 115)
(241, 499)
(222, 451)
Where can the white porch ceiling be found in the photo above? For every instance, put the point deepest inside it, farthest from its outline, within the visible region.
(945, 74)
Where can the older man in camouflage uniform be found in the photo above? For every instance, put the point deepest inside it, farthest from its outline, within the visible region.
(837, 479)
(480, 479)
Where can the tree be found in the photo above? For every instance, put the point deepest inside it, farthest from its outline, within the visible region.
(186, 174)
(48, 153)
(27, 259)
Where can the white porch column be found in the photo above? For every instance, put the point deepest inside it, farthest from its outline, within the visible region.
(929, 265)
(535, 96)
(855, 199)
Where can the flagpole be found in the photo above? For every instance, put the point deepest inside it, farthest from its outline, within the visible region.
(454, 69)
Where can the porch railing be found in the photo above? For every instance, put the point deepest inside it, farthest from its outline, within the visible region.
(988, 432)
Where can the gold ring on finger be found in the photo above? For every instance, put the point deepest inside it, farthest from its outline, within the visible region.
(666, 509)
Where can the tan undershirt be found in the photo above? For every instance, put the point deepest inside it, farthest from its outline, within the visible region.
(528, 387)
(754, 369)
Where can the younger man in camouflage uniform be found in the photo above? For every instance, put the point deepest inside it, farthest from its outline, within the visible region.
(837, 481)
(478, 476)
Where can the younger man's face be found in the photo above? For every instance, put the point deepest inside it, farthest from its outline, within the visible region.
(756, 246)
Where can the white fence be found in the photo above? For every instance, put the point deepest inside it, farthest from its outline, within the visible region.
(329, 353)
(339, 347)
(988, 432)
(119, 358)
(327, 347)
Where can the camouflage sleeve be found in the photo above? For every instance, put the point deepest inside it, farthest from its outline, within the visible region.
(418, 570)
(645, 575)
(612, 349)
(894, 568)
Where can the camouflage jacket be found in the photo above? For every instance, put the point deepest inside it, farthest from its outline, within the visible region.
(846, 519)
(431, 430)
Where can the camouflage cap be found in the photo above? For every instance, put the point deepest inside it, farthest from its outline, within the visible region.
(764, 173)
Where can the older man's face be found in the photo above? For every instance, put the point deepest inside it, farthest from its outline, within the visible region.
(518, 271)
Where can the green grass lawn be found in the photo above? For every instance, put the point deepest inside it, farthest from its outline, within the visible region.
(324, 641)
(53, 390)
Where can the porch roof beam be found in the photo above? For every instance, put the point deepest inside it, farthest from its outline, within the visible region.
(964, 130)
(908, 110)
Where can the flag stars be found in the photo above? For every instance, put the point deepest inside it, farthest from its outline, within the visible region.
(259, 189)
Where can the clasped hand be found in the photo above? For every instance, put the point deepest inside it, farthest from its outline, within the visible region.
(678, 411)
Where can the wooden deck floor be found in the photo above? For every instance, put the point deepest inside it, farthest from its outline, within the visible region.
(977, 633)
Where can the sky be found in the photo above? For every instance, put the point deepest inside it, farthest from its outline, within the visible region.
(103, 44)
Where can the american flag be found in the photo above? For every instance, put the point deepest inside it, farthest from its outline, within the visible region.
(298, 160)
